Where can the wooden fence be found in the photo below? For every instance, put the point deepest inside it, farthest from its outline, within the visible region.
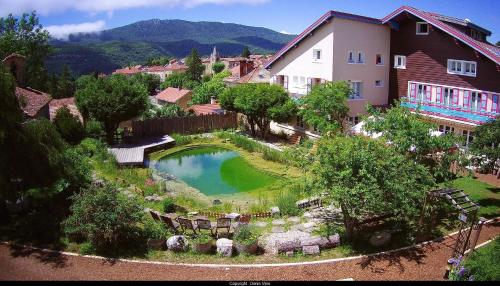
(219, 215)
(184, 125)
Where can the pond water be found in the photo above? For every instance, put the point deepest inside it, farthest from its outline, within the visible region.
(214, 171)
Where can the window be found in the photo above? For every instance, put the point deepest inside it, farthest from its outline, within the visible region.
(468, 136)
(422, 28)
(302, 81)
(350, 58)
(317, 55)
(379, 83)
(360, 58)
(476, 35)
(353, 120)
(421, 92)
(355, 90)
(462, 67)
(295, 81)
(300, 122)
(446, 129)
(475, 101)
(379, 60)
(448, 97)
(400, 62)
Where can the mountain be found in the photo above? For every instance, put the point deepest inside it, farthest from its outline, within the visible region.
(135, 43)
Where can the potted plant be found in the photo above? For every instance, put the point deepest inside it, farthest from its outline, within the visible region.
(204, 243)
(245, 240)
(157, 234)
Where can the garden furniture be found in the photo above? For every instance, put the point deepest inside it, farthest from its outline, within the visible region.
(203, 223)
(173, 225)
(187, 224)
(244, 219)
(223, 223)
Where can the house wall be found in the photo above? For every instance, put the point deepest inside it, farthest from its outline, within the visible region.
(183, 102)
(426, 61)
(370, 39)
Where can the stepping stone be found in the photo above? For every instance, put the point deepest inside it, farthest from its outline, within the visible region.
(278, 229)
(279, 222)
(296, 227)
(275, 211)
(293, 219)
(260, 224)
(307, 215)
(310, 224)
(310, 250)
(289, 253)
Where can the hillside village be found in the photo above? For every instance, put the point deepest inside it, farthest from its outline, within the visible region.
(360, 136)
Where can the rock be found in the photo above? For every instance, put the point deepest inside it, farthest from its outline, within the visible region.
(216, 202)
(153, 198)
(275, 243)
(310, 250)
(260, 224)
(275, 211)
(225, 247)
(277, 229)
(177, 243)
(333, 241)
(233, 216)
(287, 245)
(293, 219)
(307, 215)
(289, 253)
(310, 224)
(279, 222)
(312, 241)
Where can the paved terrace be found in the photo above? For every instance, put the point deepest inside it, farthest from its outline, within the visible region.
(133, 154)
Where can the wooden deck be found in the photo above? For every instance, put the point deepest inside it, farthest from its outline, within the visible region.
(133, 154)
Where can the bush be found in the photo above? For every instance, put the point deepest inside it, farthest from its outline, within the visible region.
(168, 205)
(182, 139)
(246, 235)
(94, 129)
(106, 218)
(91, 147)
(155, 230)
(286, 202)
(69, 126)
(202, 239)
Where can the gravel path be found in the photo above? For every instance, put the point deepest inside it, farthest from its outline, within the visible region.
(425, 263)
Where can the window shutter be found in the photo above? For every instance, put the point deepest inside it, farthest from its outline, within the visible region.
(455, 96)
(413, 91)
(439, 97)
(484, 102)
(428, 94)
(466, 98)
(494, 106)
(285, 82)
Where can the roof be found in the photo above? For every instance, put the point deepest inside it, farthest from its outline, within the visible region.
(458, 21)
(138, 69)
(205, 109)
(489, 51)
(55, 104)
(32, 100)
(172, 94)
(323, 19)
(14, 55)
(127, 71)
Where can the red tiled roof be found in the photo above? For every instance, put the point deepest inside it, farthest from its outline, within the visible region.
(172, 94)
(31, 100)
(487, 50)
(204, 109)
(55, 104)
(127, 71)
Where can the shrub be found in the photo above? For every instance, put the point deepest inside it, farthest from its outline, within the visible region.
(286, 202)
(107, 219)
(168, 205)
(182, 139)
(246, 235)
(92, 147)
(202, 239)
(155, 230)
(94, 129)
(69, 126)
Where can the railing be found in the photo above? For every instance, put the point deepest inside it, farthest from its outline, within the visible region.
(455, 107)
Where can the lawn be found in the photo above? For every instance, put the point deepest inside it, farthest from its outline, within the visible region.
(487, 196)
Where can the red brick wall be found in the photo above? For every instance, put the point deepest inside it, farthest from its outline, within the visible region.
(426, 61)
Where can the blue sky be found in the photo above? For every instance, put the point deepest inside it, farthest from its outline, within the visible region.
(290, 16)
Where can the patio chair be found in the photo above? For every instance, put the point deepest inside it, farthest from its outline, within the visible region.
(244, 219)
(155, 215)
(187, 224)
(174, 226)
(223, 223)
(205, 224)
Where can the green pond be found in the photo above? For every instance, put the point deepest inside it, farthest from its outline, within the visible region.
(214, 171)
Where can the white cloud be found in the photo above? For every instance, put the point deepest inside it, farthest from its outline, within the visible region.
(285, 32)
(46, 7)
(62, 32)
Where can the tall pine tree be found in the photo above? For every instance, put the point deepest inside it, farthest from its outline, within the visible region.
(195, 66)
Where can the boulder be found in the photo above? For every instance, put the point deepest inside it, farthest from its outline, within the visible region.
(333, 241)
(224, 247)
(275, 211)
(233, 216)
(153, 198)
(216, 202)
(177, 243)
(310, 250)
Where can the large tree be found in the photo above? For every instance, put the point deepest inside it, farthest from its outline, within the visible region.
(212, 88)
(246, 52)
(487, 142)
(261, 103)
(369, 179)
(218, 67)
(195, 66)
(151, 81)
(111, 100)
(326, 106)
(412, 136)
(26, 36)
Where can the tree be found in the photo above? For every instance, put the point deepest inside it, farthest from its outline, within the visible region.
(261, 103)
(218, 67)
(105, 217)
(111, 100)
(213, 88)
(69, 126)
(246, 52)
(166, 111)
(26, 36)
(151, 81)
(498, 44)
(369, 179)
(65, 85)
(195, 66)
(326, 106)
(179, 80)
(411, 135)
(159, 61)
(487, 142)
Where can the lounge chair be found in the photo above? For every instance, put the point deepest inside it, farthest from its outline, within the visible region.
(223, 223)
(174, 226)
(155, 215)
(187, 224)
(205, 224)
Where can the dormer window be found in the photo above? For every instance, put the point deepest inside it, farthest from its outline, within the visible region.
(422, 28)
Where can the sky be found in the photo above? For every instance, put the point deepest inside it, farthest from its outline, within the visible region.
(62, 17)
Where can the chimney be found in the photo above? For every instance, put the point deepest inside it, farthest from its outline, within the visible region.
(212, 100)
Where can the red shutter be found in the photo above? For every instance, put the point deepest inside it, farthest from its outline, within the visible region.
(467, 98)
(413, 92)
(455, 96)
(439, 94)
(484, 101)
(428, 95)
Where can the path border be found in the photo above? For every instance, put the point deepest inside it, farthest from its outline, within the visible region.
(228, 266)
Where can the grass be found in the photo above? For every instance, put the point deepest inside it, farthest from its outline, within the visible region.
(484, 262)
(487, 196)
